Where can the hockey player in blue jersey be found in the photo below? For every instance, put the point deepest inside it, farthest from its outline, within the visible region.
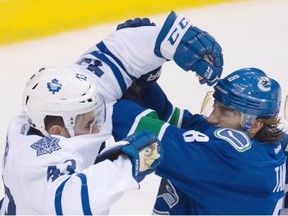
(284, 143)
(230, 162)
(48, 165)
(172, 200)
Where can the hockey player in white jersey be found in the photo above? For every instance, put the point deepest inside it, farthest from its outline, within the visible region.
(56, 174)
(52, 146)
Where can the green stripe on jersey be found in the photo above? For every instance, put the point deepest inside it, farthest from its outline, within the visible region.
(175, 117)
(150, 122)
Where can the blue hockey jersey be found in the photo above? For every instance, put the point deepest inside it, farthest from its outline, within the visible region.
(206, 170)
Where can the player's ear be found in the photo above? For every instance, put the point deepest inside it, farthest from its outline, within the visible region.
(58, 130)
(255, 128)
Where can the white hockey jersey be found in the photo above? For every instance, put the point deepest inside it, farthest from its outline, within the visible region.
(56, 175)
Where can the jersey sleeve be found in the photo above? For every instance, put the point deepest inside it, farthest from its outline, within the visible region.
(153, 97)
(118, 59)
(94, 190)
(129, 117)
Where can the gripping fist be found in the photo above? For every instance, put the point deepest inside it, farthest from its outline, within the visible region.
(143, 149)
(190, 47)
(137, 22)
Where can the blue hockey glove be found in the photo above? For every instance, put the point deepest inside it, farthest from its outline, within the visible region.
(190, 48)
(137, 22)
(143, 149)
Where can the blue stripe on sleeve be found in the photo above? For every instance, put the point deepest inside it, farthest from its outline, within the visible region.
(114, 68)
(102, 47)
(84, 195)
(58, 198)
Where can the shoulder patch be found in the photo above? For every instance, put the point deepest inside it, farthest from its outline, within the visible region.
(46, 145)
(238, 139)
(168, 192)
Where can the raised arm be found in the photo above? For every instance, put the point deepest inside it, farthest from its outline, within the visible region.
(128, 53)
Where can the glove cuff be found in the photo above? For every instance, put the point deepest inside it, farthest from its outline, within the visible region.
(170, 36)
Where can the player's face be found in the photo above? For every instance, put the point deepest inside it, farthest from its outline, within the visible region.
(222, 116)
(86, 124)
(91, 122)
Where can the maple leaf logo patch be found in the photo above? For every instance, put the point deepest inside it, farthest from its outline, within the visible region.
(46, 145)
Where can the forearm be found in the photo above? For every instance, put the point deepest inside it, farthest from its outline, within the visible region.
(123, 57)
(153, 97)
(134, 47)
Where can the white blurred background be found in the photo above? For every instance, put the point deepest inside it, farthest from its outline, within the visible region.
(251, 33)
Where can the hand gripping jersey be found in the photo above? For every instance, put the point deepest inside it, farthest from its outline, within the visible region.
(206, 170)
(55, 175)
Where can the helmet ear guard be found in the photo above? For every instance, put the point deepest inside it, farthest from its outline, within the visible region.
(62, 91)
(247, 121)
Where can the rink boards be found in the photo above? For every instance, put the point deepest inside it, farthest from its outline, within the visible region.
(29, 19)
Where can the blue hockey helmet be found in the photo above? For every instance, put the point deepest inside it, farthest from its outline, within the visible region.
(250, 92)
